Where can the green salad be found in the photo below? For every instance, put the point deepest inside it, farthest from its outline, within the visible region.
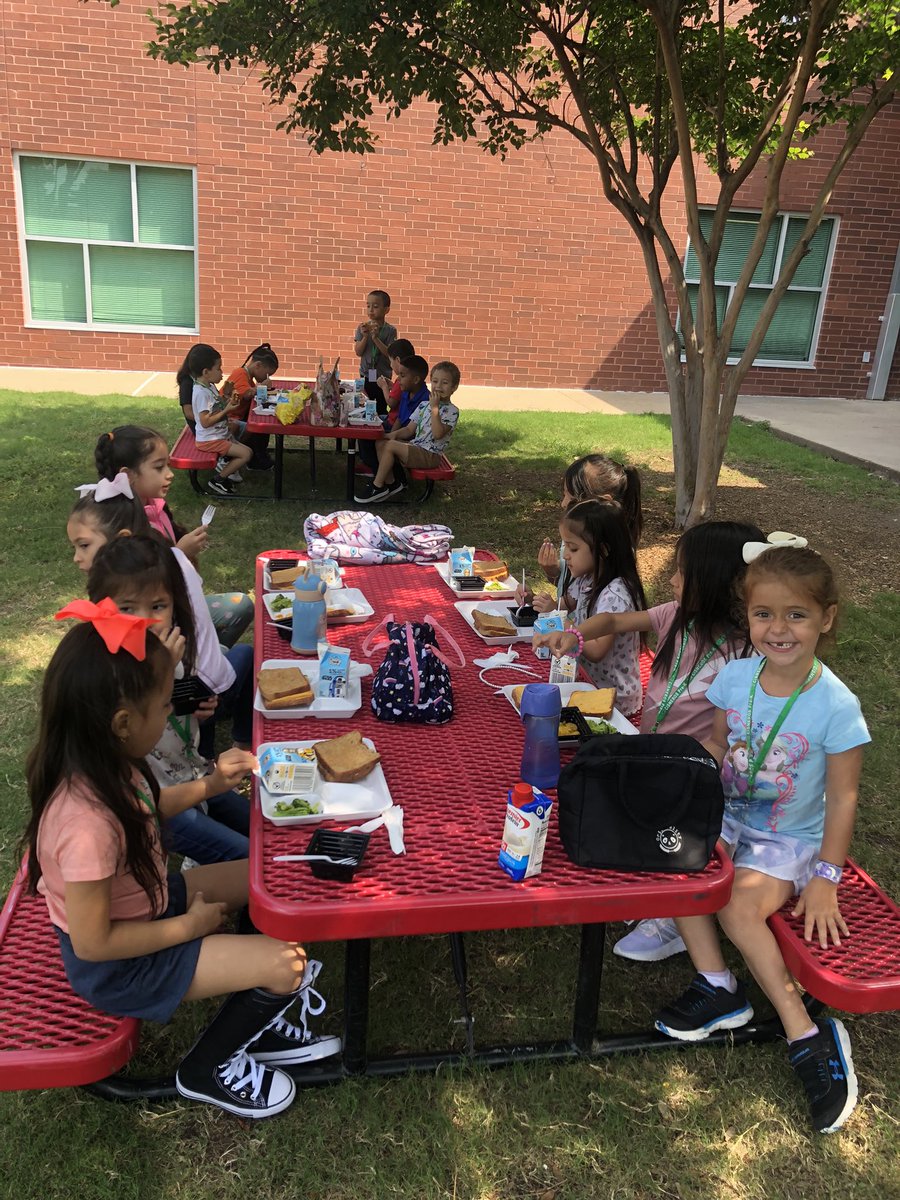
(280, 603)
(599, 725)
(295, 807)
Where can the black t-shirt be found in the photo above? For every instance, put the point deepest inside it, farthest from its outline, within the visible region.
(185, 392)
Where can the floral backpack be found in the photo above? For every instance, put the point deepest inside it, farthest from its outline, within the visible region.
(413, 681)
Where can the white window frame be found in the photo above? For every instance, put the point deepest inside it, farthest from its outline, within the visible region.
(98, 326)
(810, 363)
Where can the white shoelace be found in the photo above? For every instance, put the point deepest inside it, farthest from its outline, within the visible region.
(252, 1076)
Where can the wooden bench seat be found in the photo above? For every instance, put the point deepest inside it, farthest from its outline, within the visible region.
(187, 456)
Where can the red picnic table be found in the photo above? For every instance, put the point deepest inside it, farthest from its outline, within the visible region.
(452, 782)
(268, 423)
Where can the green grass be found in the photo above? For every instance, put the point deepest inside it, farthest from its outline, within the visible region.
(697, 1124)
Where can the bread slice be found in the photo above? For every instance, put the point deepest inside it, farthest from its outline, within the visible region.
(489, 625)
(284, 687)
(345, 759)
(517, 694)
(285, 576)
(488, 569)
(597, 703)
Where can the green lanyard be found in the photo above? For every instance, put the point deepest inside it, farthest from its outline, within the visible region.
(758, 759)
(150, 805)
(375, 351)
(184, 733)
(669, 699)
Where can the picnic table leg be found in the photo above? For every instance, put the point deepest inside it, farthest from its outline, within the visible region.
(356, 1005)
(351, 469)
(312, 465)
(458, 957)
(587, 986)
(279, 465)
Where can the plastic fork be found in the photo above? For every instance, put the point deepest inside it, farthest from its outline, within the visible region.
(208, 513)
(338, 862)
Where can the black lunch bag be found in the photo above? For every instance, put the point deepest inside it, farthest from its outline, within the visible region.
(648, 802)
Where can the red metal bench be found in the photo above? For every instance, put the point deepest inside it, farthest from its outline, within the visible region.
(431, 475)
(186, 456)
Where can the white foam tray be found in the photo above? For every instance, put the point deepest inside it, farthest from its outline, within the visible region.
(338, 801)
(326, 708)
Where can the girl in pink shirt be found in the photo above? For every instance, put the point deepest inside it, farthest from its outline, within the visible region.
(134, 941)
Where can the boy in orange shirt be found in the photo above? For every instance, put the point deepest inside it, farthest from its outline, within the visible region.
(256, 368)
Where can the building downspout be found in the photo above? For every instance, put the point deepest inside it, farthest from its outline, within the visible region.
(887, 339)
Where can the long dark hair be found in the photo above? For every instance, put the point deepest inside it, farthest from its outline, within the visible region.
(84, 686)
(125, 448)
(198, 359)
(264, 354)
(603, 525)
(712, 566)
(594, 476)
(145, 563)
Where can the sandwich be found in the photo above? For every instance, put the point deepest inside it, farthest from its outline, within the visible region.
(597, 703)
(345, 759)
(286, 576)
(489, 625)
(284, 687)
(488, 569)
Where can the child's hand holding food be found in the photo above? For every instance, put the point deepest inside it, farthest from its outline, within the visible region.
(544, 602)
(548, 560)
(231, 767)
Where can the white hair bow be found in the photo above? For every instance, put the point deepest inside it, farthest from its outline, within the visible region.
(106, 489)
(779, 537)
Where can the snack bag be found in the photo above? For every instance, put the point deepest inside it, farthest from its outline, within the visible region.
(547, 623)
(328, 394)
(334, 672)
(289, 410)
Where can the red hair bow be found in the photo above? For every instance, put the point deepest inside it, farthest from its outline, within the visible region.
(120, 631)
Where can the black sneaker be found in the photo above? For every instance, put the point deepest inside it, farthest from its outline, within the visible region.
(379, 493)
(241, 1086)
(264, 463)
(219, 486)
(394, 489)
(283, 1044)
(362, 492)
(703, 1009)
(825, 1067)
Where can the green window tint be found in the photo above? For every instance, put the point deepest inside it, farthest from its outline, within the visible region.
(142, 287)
(740, 231)
(56, 281)
(811, 272)
(789, 337)
(721, 301)
(165, 200)
(63, 197)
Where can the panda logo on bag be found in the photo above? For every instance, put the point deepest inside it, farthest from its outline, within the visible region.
(669, 840)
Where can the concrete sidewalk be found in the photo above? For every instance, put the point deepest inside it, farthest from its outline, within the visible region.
(865, 432)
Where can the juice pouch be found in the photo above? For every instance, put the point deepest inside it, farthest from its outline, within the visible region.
(524, 833)
(461, 560)
(334, 672)
(547, 623)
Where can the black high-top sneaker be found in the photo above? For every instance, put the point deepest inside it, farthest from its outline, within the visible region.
(284, 1044)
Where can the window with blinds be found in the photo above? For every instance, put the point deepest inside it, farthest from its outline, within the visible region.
(791, 337)
(108, 245)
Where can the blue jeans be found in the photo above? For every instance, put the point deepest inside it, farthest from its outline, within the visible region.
(220, 835)
(236, 703)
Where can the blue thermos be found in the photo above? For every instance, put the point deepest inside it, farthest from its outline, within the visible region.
(308, 615)
(539, 709)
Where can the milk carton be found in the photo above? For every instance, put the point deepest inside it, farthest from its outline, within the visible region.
(334, 672)
(547, 623)
(524, 832)
(286, 771)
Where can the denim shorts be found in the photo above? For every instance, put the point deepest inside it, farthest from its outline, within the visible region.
(150, 987)
(774, 854)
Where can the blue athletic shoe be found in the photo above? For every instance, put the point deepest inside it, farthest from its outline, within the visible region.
(702, 1009)
(824, 1065)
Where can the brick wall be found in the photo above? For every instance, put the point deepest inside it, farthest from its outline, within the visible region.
(518, 271)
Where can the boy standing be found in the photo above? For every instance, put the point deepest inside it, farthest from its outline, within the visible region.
(422, 440)
(371, 342)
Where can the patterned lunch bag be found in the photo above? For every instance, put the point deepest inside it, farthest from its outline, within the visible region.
(413, 681)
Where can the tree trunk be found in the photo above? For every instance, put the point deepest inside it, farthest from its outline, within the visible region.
(710, 446)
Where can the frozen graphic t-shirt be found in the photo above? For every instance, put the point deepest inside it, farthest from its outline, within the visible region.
(788, 793)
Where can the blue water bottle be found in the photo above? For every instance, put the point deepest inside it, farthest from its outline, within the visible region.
(308, 615)
(539, 709)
